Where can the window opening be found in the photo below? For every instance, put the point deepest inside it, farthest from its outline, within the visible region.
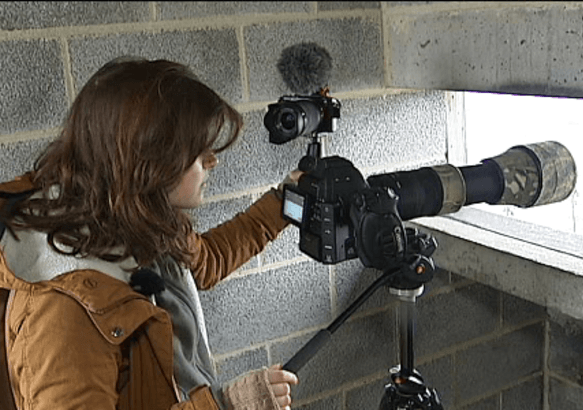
(497, 122)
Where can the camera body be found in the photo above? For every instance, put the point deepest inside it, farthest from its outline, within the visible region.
(340, 217)
(320, 207)
(299, 115)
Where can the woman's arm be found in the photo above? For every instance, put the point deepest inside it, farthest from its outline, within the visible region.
(222, 250)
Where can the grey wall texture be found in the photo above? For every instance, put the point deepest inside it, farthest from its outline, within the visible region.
(481, 348)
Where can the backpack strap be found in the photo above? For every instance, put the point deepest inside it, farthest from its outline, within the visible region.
(10, 199)
(6, 394)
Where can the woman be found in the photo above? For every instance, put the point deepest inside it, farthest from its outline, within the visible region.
(102, 263)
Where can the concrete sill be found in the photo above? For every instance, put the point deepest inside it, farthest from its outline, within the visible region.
(535, 263)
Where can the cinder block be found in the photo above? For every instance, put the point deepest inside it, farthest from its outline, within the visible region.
(359, 348)
(285, 247)
(347, 5)
(352, 279)
(566, 347)
(353, 43)
(408, 3)
(578, 211)
(32, 84)
(259, 307)
(441, 278)
(443, 50)
(526, 50)
(525, 396)
(18, 15)
(516, 310)
(455, 317)
(395, 132)
(281, 352)
(213, 55)
(174, 10)
(455, 278)
(566, 71)
(438, 375)
(493, 365)
(565, 396)
(253, 161)
(210, 215)
(328, 403)
(521, 53)
(18, 158)
(489, 403)
(367, 396)
(232, 367)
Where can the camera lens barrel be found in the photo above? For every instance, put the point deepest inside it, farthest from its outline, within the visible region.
(420, 192)
(536, 174)
(288, 120)
(524, 176)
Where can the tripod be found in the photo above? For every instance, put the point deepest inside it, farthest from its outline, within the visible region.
(407, 390)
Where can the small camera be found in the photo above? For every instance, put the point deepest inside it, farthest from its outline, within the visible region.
(299, 115)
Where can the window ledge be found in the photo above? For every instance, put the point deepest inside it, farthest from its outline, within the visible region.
(533, 262)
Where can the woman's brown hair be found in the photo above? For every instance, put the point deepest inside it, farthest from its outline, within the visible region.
(132, 132)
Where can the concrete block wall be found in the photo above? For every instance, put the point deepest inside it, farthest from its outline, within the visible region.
(510, 47)
(481, 348)
(566, 350)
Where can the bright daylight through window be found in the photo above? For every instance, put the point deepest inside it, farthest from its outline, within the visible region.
(497, 122)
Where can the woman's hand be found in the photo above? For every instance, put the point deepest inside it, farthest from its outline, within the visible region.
(264, 389)
(291, 179)
(281, 381)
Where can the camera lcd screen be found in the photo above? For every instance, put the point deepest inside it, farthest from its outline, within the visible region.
(293, 206)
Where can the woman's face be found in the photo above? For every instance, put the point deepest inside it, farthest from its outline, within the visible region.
(189, 192)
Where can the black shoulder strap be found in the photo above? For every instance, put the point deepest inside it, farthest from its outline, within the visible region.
(6, 395)
(12, 198)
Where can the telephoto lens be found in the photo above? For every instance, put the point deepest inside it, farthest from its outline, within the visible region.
(524, 176)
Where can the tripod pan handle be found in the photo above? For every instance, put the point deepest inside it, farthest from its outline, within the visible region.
(309, 350)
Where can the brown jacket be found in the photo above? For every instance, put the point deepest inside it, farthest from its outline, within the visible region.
(85, 340)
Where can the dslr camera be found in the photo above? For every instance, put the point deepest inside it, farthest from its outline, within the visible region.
(342, 216)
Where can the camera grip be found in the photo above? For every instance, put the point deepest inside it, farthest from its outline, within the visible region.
(308, 351)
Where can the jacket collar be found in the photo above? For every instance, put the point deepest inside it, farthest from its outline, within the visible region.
(111, 303)
(114, 307)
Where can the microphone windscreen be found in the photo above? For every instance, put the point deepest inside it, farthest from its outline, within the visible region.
(305, 67)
